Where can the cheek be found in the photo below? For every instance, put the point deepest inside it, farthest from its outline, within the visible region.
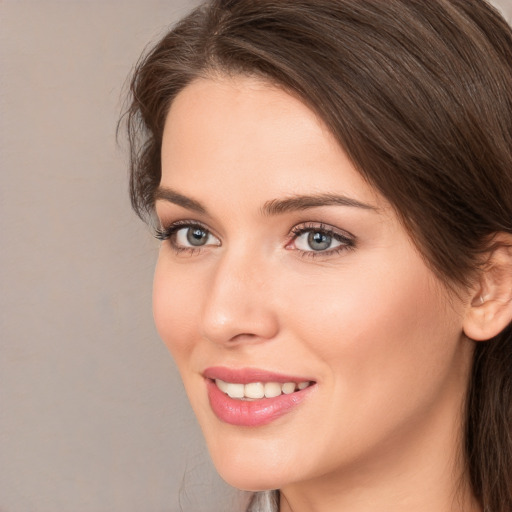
(384, 341)
(379, 326)
(176, 302)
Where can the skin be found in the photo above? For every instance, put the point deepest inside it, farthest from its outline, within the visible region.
(370, 324)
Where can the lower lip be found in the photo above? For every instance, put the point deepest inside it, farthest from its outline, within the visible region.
(252, 413)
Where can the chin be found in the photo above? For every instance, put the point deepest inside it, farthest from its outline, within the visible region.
(250, 462)
(247, 477)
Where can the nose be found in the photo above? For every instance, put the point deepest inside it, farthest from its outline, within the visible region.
(239, 307)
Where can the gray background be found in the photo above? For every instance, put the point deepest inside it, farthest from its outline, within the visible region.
(93, 417)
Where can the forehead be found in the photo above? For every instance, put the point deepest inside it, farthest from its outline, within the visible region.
(248, 135)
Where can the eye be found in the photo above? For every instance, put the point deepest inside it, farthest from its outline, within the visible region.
(316, 241)
(187, 236)
(320, 240)
(194, 236)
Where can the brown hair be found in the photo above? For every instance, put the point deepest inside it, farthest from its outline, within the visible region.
(419, 95)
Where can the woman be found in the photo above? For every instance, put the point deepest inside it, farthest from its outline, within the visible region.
(332, 183)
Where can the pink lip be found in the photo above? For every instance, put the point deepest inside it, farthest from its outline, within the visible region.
(247, 375)
(251, 413)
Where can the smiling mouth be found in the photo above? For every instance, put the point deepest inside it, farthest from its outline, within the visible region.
(259, 390)
(251, 397)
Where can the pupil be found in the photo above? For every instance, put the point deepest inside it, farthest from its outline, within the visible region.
(196, 236)
(319, 241)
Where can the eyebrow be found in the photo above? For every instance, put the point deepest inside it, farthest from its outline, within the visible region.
(170, 195)
(272, 207)
(304, 202)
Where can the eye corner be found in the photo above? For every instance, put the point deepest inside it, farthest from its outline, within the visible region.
(160, 233)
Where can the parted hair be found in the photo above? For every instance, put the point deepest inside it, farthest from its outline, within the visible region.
(419, 95)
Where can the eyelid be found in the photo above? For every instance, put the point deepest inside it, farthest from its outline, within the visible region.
(321, 226)
(178, 224)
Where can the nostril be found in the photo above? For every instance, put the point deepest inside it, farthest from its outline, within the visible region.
(243, 337)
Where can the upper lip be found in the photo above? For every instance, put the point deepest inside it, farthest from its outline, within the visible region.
(247, 375)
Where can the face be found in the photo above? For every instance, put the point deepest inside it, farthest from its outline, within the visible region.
(312, 339)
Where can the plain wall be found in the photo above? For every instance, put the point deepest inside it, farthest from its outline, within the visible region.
(93, 417)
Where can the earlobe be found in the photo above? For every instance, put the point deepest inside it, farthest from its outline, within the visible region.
(490, 308)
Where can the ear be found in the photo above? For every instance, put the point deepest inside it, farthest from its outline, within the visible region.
(490, 308)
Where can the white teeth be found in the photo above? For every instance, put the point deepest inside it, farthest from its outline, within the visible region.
(223, 386)
(256, 390)
(235, 390)
(288, 388)
(272, 389)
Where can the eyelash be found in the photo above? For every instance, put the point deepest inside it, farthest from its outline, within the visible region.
(346, 240)
(167, 233)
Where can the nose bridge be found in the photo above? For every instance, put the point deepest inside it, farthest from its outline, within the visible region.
(238, 304)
